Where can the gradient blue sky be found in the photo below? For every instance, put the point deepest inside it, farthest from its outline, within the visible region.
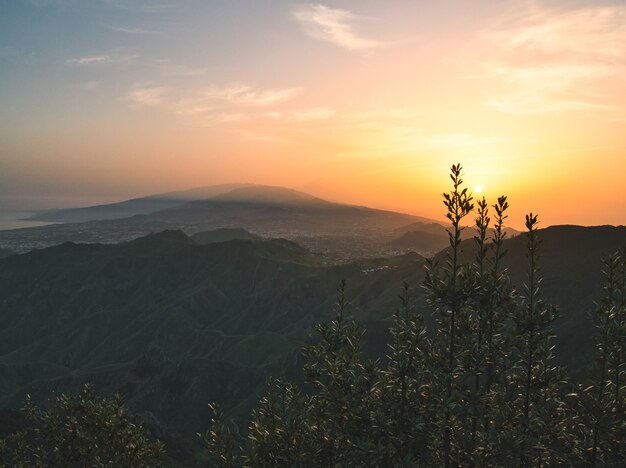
(363, 101)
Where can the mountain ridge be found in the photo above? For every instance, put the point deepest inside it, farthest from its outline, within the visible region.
(172, 324)
(336, 230)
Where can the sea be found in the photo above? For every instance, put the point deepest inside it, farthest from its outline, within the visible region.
(15, 219)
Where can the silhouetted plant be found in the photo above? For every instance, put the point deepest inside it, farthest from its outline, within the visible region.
(220, 440)
(603, 399)
(445, 292)
(78, 431)
(405, 411)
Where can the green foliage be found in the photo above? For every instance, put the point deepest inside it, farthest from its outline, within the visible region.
(219, 439)
(603, 400)
(404, 413)
(82, 430)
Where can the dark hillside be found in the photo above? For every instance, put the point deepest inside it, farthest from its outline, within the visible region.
(223, 235)
(172, 324)
(571, 265)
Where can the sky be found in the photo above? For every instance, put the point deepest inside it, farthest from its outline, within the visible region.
(365, 102)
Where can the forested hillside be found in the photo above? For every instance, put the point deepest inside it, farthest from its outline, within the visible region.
(172, 324)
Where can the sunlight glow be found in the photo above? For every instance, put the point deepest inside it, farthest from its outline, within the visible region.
(328, 98)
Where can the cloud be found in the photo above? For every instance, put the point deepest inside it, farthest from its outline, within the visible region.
(552, 61)
(147, 95)
(89, 60)
(212, 104)
(535, 103)
(333, 25)
(47, 3)
(246, 95)
(130, 30)
(593, 32)
(141, 6)
(113, 57)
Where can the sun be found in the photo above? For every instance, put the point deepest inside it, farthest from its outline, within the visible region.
(478, 189)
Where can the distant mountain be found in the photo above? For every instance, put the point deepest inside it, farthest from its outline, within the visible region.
(224, 235)
(5, 253)
(438, 228)
(136, 206)
(420, 241)
(269, 195)
(338, 231)
(173, 325)
(419, 226)
(429, 238)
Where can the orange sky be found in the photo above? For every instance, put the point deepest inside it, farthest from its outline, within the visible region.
(364, 102)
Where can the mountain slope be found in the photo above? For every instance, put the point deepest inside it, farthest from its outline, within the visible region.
(571, 266)
(169, 323)
(440, 229)
(136, 206)
(420, 241)
(341, 232)
(223, 235)
(270, 195)
(172, 324)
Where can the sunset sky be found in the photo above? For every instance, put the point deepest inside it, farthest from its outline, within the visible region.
(365, 102)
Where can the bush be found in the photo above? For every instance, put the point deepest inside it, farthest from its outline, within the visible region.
(79, 431)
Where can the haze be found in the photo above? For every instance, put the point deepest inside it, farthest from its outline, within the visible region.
(363, 102)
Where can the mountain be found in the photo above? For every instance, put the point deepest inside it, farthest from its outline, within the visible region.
(440, 229)
(270, 195)
(419, 226)
(224, 235)
(135, 206)
(571, 266)
(429, 238)
(340, 232)
(172, 324)
(5, 252)
(420, 241)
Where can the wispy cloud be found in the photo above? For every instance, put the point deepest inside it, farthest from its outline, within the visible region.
(333, 25)
(552, 61)
(146, 95)
(212, 104)
(596, 33)
(383, 131)
(246, 95)
(90, 59)
(142, 6)
(113, 57)
(131, 30)
(47, 3)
